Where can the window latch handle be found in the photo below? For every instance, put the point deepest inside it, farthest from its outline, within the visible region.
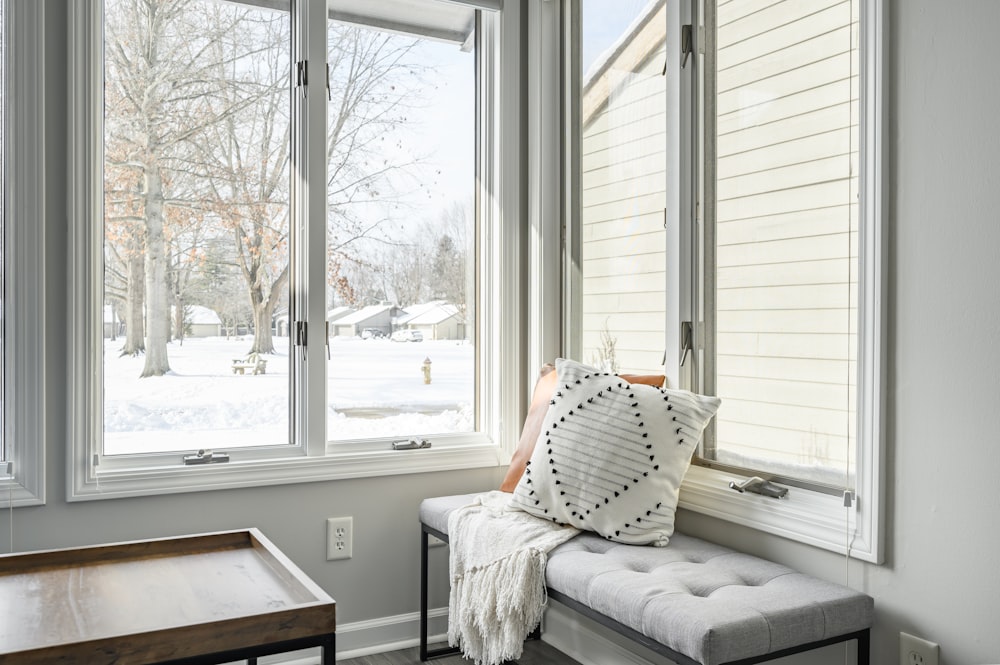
(687, 45)
(206, 457)
(687, 343)
(758, 485)
(412, 444)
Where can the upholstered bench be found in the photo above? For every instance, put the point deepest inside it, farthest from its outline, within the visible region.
(695, 602)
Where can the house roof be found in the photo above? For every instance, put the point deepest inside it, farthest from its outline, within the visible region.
(410, 312)
(636, 43)
(338, 313)
(364, 314)
(196, 314)
(432, 316)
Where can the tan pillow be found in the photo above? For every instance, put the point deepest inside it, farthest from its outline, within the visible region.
(545, 388)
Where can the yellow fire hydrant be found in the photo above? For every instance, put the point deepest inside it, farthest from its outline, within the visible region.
(426, 369)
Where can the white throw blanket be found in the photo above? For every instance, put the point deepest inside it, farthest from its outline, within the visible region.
(497, 565)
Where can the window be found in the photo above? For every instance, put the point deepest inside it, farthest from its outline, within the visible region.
(782, 272)
(238, 319)
(22, 481)
(623, 185)
(402, 236)
(729, 232)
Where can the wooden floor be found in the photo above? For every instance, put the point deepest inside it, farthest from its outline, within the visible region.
(536, 652)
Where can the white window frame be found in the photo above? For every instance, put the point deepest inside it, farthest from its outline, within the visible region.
(810, 516)
(24, 281)
(313, 457)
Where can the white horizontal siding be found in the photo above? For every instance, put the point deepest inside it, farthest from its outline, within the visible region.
(623, 196)
(786, 233)
(816, 370)
(777, 28)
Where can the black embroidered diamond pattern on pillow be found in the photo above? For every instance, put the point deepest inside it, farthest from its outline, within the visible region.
(611, 455)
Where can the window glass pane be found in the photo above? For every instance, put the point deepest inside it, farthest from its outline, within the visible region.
(196, 184)
(786, 117)
(401, 234)
(623, 183)
(3, 198)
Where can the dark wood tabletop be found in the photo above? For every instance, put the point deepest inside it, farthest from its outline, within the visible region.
(158, 600)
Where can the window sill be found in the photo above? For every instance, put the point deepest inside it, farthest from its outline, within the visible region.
(808, 517)
(335, 465)
(15, 494)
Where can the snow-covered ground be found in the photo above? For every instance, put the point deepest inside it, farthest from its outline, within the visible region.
(374, 388)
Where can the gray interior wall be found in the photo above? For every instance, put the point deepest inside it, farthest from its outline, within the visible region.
(940, 579)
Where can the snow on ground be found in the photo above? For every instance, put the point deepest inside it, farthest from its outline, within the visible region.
(375, 388)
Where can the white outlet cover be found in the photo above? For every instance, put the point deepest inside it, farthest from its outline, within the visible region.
(917, 651)
(339, 538)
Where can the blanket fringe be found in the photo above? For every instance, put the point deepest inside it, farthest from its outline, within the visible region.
(493, 608)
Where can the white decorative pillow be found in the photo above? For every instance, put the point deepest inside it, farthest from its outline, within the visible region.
(611, 455)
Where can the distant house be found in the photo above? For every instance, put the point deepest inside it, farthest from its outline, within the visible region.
(436, 320)
(375, 317)
(338, 313)
(201, 322)
(280, 326)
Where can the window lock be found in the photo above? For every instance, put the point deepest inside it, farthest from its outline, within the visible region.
(758, 485)
(206, 457)
(412, 444)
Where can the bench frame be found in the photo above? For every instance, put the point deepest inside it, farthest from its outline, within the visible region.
(861, 637)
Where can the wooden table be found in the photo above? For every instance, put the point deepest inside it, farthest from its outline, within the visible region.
(211, 598)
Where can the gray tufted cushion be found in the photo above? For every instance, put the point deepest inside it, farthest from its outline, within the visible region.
(708, 602)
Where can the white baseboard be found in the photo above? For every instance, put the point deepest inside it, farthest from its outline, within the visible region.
(402, 631)
(363, 638)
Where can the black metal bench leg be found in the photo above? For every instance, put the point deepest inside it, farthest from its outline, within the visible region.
(425, 654)
(864, 647)
(424, 545)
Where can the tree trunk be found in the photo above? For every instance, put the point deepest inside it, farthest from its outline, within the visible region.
(263, 341)
(179, 318)
(263, 311)
(157, 310)
(134, 334)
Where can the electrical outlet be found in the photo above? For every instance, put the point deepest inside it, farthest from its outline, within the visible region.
(915, 651)
(339, 538)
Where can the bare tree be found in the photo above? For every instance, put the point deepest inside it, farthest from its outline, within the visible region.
(249, 160)
(374, 81)
(161, 93)
(198, 133)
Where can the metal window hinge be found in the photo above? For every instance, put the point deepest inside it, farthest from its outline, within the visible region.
(687, 43)
(327, 340)
(206, 457)
(329, 92)
(300, 337)
(687, 341)
(301, 76)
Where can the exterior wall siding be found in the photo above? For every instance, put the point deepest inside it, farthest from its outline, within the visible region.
(786, 243)
(623, 190)
(786, 224)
